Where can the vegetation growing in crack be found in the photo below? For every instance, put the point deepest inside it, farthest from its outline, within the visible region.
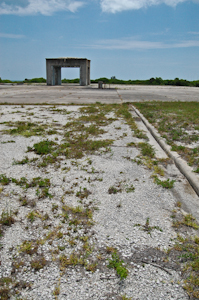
(26, 129)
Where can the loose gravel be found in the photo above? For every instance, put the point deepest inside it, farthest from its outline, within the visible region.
(32, 248)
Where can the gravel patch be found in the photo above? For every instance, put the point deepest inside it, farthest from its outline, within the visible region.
(66, 228)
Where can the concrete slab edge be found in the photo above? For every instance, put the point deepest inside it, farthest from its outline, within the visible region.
(179, 162)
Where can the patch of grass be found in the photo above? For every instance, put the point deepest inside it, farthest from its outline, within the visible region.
(11, 141)
(28, 247)
(91, 109)
(167, 184)
(130, 189)
(187, 220)
(158, 170)
(118, 265)
(73, 259)
(56, 291)
(197, 170)
(7, 218)
(146, 149)
(91, 267)
(147, 227)
(21, 162)
(38, 263)
(187, 250)
(32, 215)
(176, 122)
(26, 129)
(4, 180)
(42, 184)
(83, 193)
(124, 297)
(114, 190)
(43, 147)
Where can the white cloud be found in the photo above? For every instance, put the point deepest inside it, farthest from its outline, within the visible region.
(130, 44)
(44, 7)
(114, 6)
(194, 32)
(11, 36)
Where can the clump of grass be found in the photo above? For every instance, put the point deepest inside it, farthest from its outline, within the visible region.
(32, 215)
(91, 109)
(130, 189)
(28, 247)
(4, 180)
(7, 218)
(21, 162)
(118, 265)
(188, 221)
(158, 170)
(114, 190)
(43, 147)
(187, 250)
(74, 259)
(146, 149)
(38, 263)
(124, 297)
(91, 267)
(56, 291)
(83, 193)
(167, 184)
(26, 129)
(43, 185)
(146, 227)
(11, 141)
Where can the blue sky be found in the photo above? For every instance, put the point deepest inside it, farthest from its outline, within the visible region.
(129, 39)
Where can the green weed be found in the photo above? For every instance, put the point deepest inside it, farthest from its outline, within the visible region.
(146, 149)
(130, 189)
(43, 147)
(167, 184)
(147, 227)
(114, 190)
(26, 129)
(4, 180)
(118, 265)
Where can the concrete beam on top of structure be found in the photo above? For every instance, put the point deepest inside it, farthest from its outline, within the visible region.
(54, 65)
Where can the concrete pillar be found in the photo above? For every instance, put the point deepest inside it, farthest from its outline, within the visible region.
(83, 73)
(88, 73)
(49, 73)
(57, 76)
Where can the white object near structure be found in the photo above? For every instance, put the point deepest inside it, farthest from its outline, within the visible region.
(54, 65)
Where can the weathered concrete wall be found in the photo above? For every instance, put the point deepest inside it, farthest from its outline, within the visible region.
(54, 65)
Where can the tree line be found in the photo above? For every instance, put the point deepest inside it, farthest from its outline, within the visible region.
(114, 80)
